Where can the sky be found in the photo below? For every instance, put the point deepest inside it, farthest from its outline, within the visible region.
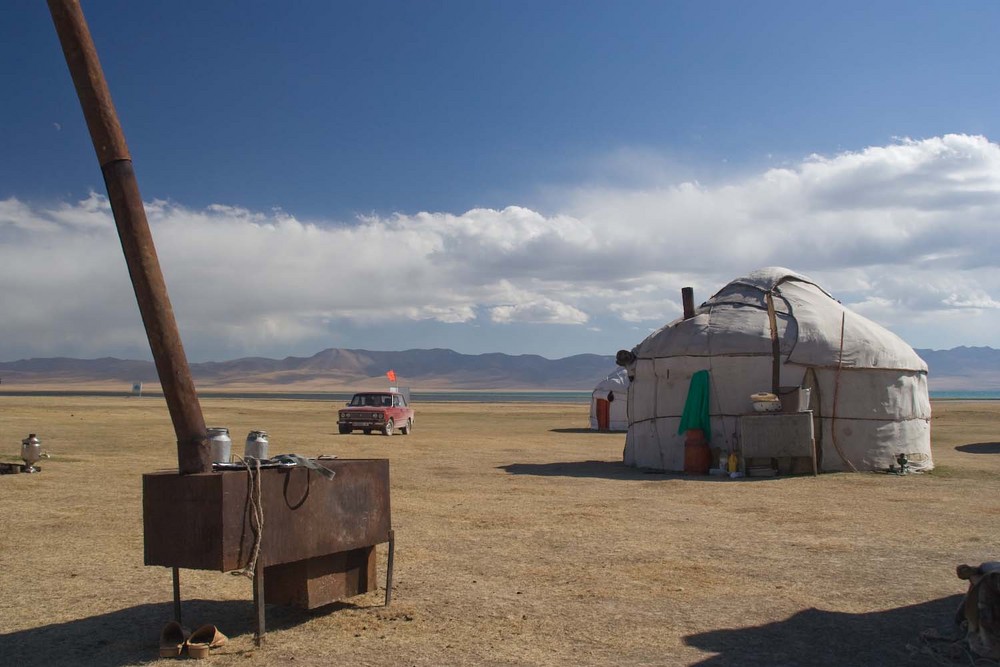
(526, 177)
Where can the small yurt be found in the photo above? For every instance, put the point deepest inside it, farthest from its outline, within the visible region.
(609, 403)
(867, 389)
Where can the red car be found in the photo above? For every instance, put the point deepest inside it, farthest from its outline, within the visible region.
(383, 411)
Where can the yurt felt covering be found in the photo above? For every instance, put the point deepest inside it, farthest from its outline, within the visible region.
(615, 388)
(868, 387)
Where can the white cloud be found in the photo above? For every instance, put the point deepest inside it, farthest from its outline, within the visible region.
(539, 311)
(904, 233)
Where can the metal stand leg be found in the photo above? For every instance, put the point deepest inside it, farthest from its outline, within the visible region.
(258, 604)
(177, 595)
(388, 571)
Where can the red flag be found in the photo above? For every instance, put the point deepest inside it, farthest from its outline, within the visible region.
(391, 375)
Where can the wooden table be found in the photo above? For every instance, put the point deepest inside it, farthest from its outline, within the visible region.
(318, 539)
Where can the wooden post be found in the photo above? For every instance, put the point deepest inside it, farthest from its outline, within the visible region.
(775, 345)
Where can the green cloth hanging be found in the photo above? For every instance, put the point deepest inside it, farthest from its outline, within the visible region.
(696, 407)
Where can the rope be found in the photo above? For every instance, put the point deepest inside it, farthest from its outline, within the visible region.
(256, 515)
(836, 393)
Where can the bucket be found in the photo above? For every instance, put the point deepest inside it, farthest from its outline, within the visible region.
(794, 399)
(697, 454)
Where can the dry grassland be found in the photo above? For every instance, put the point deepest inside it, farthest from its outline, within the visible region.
(521, 540)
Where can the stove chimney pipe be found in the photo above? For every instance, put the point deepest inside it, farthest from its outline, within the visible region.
(687, 298)
(193, 455)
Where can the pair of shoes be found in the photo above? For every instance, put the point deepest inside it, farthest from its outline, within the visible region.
(175, 638)
(203, 640)
(172, 640)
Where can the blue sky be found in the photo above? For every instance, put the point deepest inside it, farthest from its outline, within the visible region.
(522, 177)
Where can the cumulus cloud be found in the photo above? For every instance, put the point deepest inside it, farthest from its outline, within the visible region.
(540, 310)
(904, 233)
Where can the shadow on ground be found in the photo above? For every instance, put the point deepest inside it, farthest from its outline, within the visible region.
(980, 448)
(586, 430)
(131, 636)
(605, 469)
(816, 637)
(618, 470)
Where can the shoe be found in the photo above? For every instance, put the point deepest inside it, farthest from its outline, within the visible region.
(204, 639)
(172, 639)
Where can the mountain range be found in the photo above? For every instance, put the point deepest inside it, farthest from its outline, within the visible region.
(961, 368)
(329, 370)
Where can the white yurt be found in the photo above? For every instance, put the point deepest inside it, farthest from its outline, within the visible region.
(609, 403)
(867, 387)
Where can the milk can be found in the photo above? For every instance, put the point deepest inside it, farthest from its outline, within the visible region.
(221, 444)
(256, 447)
(31, 450)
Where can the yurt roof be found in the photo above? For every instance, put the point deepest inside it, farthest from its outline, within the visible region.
(814, 329)
(617, 381)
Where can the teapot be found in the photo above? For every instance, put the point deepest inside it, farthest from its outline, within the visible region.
(31, 450)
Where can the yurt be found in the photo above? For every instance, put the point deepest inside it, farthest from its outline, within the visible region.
(867, 389)
(609, 403)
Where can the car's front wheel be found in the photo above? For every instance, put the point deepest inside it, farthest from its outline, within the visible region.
(344, 429)
(387, 429)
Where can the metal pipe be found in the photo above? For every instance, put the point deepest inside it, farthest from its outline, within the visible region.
(687, 298)
(193, 453)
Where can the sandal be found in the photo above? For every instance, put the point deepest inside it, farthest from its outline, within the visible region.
(172, 639)
(203, 640)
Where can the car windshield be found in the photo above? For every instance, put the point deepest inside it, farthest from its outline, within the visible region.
(370, 400)
(377, 401)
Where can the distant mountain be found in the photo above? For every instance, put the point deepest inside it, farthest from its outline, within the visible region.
(961, 368)
(332, 369)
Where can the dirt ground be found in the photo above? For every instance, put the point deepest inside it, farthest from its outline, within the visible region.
(521, 540)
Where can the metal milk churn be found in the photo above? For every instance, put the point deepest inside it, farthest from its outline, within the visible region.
(221, 444)
(256, 447)
(31, 450)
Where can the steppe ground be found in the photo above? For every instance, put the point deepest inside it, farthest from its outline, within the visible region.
(521, 540)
